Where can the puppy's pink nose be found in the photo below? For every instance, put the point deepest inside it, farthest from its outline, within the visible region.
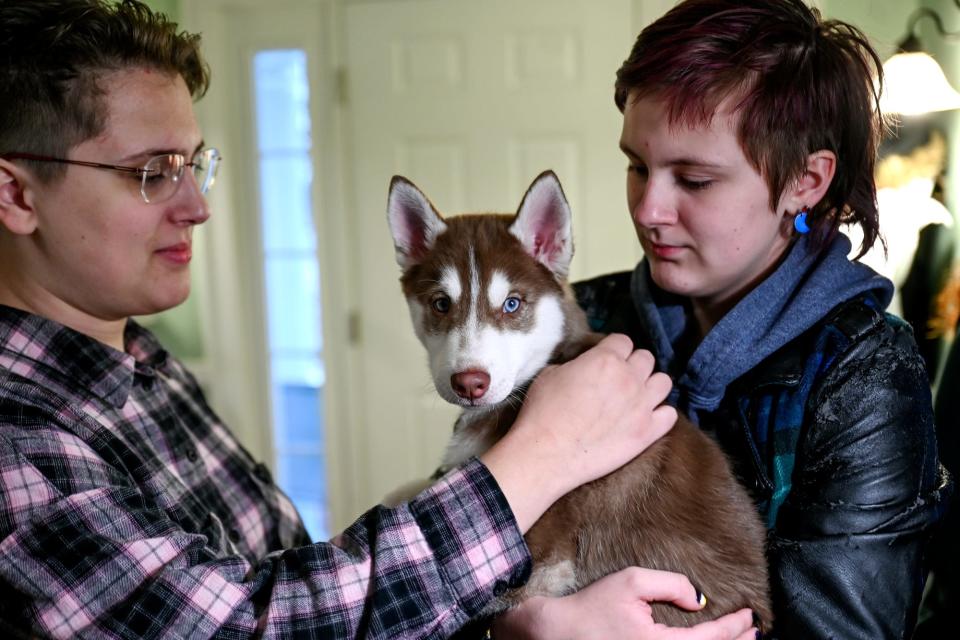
(471, 384)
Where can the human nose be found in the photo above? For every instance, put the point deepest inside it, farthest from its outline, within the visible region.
(190, 205)
(651, 205)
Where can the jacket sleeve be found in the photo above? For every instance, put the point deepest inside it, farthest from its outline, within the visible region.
(847, 548)
(102, 560)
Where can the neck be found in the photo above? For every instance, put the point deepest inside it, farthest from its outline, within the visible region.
(109, 332)
(707, 315)
(709, 311)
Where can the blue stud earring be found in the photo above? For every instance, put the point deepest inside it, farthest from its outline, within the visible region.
(800, 221)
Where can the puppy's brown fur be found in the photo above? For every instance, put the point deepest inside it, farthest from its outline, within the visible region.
(676, 507)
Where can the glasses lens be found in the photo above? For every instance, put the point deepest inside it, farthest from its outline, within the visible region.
(205, 167)
(161, 177)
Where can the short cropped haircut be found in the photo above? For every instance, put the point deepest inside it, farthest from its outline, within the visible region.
(53, 54)
(799, 84)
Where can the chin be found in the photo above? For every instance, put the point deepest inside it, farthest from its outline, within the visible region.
(673, 283)
(164, 301)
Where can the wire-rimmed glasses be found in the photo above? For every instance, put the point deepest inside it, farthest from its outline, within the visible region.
(160, 176)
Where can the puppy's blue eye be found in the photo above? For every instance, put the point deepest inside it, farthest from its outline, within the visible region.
(511, 304)
(441, 304)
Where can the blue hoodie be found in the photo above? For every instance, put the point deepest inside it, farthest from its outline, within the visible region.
(803, 289)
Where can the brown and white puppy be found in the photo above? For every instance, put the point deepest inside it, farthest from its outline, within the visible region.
(489, 300)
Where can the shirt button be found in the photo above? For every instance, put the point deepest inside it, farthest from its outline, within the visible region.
(234, 535)
(191, 454)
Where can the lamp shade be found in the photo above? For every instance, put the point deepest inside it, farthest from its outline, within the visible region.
(914, 83)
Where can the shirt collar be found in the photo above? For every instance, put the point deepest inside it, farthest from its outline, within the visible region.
(86, 363)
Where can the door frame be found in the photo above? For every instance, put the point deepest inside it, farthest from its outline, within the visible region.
(230, 285)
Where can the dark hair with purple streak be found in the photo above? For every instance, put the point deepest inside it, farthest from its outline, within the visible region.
(800, 84)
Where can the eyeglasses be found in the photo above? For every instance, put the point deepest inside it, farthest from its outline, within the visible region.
(160, 177)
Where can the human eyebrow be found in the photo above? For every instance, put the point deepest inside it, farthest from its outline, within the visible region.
(683, 162)
(695, 163)
(152, 153)
(627, 151)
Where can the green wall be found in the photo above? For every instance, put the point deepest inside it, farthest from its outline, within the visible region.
(884, 21)
(169, 7)
(947, 53)
(179, 329)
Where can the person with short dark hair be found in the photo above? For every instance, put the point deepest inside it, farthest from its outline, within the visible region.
(750, 129)
(127, 509)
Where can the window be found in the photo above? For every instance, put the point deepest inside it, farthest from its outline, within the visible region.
(292, 280)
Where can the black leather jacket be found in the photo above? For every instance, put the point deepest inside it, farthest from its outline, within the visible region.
(846, 545)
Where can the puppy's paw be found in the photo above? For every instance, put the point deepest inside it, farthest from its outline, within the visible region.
(552, 580)
(555, 580)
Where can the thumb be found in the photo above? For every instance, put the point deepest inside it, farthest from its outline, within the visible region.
(733, 626)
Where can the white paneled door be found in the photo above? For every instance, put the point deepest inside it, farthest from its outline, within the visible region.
(470, 100)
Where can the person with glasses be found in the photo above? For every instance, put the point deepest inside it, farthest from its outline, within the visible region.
(127, 509)
(160, 177)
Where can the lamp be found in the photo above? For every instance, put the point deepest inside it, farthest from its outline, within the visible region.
(913, 81)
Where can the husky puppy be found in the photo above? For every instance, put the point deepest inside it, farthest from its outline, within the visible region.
(489, 300)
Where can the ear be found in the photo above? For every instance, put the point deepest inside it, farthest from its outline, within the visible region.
(810, 187)
(414, 222)
(543, 224)
(16, 200)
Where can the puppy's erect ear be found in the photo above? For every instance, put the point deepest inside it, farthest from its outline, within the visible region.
(543, 224)
(16, 208)
(414, 222)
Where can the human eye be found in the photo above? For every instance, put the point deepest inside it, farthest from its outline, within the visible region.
(638, 169)
(694, 184)
(150, 175)
(165, 167)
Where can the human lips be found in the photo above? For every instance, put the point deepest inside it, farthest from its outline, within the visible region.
(179, 253)
(663, 250)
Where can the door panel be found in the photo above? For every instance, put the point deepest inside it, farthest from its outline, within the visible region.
(471, 101)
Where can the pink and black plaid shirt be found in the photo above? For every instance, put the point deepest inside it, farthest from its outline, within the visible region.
(128, 510)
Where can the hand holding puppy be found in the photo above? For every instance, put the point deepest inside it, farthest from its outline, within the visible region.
(617, 606)
(580, 421)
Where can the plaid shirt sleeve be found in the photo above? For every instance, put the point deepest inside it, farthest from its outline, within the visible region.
(101, 562)
(127, 510)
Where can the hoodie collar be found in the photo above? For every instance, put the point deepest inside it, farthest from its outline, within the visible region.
(802, 290)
